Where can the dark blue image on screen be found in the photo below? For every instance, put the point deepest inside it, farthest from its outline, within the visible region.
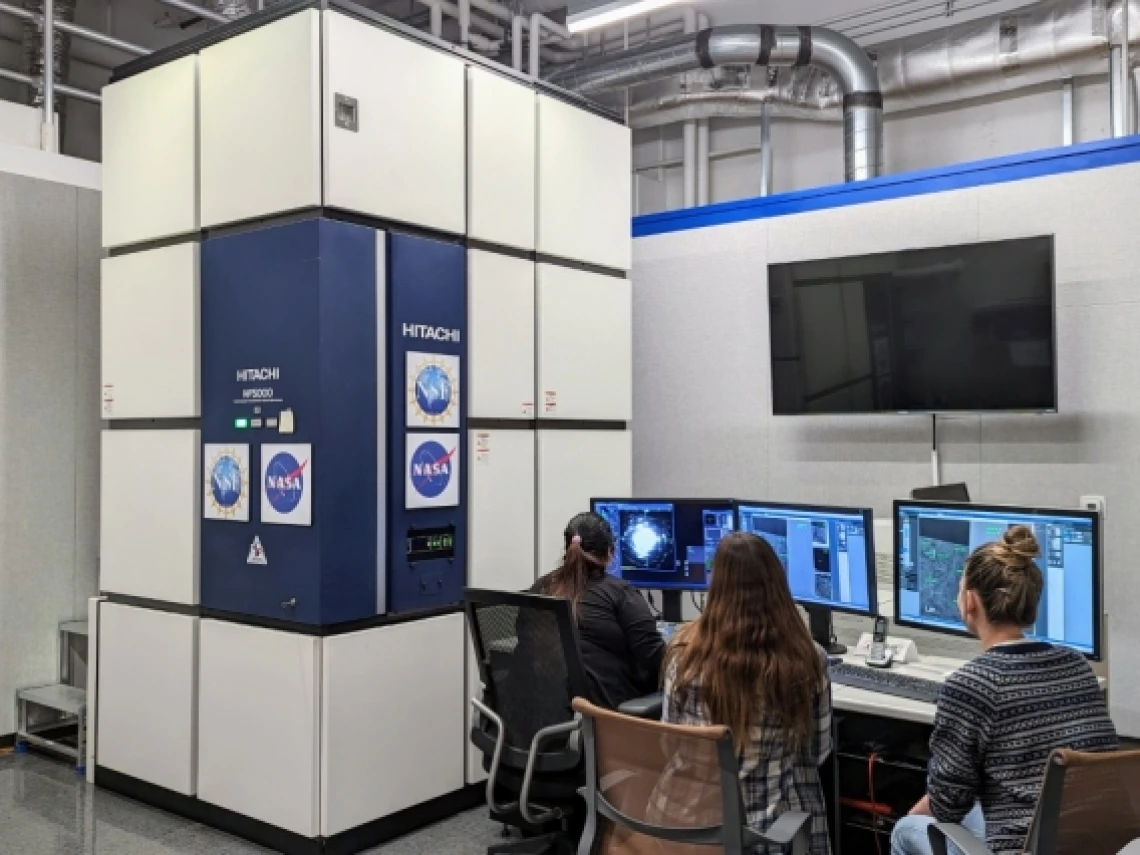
(665, 544)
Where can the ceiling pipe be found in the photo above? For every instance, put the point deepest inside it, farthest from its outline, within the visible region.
(763, 45)
(1042, 44)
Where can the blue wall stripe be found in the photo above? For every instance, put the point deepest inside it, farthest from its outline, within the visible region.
(1016, 167)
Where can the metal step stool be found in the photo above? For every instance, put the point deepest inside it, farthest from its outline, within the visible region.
(35, 706)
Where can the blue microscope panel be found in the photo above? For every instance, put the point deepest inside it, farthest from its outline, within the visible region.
(427, 422)
(290, 360)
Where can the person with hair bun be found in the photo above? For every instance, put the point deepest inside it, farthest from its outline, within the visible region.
(620, 644)
(1002, 714)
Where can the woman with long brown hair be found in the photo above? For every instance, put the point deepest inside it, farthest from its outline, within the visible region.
(749, 663)
(621, 647)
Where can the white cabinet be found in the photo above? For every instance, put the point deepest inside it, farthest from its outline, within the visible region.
(151, 333)
(148, 680)
(150, 154)
(394, 125)
(259, 721)
(575, 466)
(150, 505)
(260, 111)
(585, 345)
(392, 724)
(501, 115)
(584, 169)
(501, 509)
(500, 336)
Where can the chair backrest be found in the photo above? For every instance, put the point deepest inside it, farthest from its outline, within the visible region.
(671, 789)
(527, 651)
(1090, 803)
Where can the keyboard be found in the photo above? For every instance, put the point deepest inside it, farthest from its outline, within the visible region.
(885, 681)
(667, 628)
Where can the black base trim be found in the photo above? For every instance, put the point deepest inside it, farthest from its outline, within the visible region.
(346, 843)
(7, 740)
(283, 625)
(570, 424)
(331, 629)
(312, 212)
(153, 605)
(406, 821)
(190, 423)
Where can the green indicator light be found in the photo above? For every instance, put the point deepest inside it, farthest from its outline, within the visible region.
(241, 424)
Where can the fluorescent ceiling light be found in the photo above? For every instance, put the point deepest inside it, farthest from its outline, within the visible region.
(602, 15)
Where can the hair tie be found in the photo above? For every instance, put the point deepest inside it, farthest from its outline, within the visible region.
(576, 539)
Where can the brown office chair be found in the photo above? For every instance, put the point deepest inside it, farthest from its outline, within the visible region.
(1089, 805)
(664, 789)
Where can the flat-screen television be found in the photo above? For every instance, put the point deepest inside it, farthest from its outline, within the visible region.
(952, 328)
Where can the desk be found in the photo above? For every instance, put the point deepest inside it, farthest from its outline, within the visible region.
(936, 668)
(880, 756)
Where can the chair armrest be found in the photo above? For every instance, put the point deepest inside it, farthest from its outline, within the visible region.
(496, 756)
(961, 837)
(648, 707)
(791, 826)
(543, 816)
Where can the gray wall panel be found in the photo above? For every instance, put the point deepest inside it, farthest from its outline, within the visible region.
(681, 410)
(88, 400)
(47, 377)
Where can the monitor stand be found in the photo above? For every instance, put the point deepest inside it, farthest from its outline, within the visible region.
(819, 622)
(671, 606)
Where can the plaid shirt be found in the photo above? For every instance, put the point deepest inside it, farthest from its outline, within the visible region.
(773, 778)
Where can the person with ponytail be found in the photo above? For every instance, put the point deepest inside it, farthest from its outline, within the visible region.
(749, 663)
(1001, 715)
(621, 647)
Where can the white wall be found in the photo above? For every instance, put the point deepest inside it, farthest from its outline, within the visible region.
(810, 154)
(703, 422)
(49, 421)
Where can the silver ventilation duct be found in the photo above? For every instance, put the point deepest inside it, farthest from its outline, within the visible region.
(231, 9)
(33, 45)
(1046, 43)
(764, 45)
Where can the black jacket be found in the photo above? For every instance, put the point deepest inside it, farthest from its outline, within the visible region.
(621, 647)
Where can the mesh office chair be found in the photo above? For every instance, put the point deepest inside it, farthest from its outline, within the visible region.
(665, 789)
(527, 651)
(1089, 805)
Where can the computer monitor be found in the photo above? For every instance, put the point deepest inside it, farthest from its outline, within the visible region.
(828, 554)
(934, 539)
(665, 544)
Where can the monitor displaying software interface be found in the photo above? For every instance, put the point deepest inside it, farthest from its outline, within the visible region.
(933, 542)
(665, 544)
(828, 553)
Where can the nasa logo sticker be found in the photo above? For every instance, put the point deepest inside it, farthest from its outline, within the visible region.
(226, 490)
(432, 476)
(433, 390)
(287, 484)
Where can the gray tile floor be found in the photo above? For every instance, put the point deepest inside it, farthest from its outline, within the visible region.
(45, 809)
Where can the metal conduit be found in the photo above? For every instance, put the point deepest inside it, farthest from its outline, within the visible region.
(1045, 43)
(763, 45)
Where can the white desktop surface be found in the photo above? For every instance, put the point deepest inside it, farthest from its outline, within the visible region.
(936, 668)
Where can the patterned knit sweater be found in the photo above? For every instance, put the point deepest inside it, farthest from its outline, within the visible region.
(998, 718)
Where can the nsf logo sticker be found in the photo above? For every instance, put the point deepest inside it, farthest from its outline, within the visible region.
(432, 478)
(287, 484)
(433, 390)
(226, 491)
